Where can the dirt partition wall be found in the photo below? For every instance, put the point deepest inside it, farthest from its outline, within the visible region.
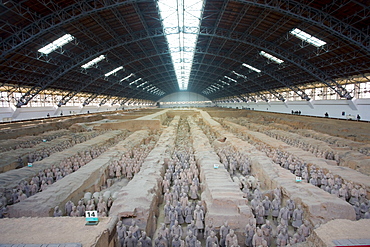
(183, 113)
(11, 179)
(222, 113)
(222, 197)
(318, 205)
(36, 127)
(341, 233)
(153, 122)
(75, 185)
(140, 198)
(345, 173)
(59, 230)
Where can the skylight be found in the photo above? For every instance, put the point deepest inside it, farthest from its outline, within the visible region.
(251, 67)
(183, 17)
(231, 79)
(135, 81)
(307, 37)
(240, 75)
(56, 44)
(93, 62)
(271, 57)
(142, 84)
(127, 77)
(224, 82)
(113, 71)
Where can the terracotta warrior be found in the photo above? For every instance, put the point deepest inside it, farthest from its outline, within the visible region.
(144, 240)
(193, 228)
(57, 212)
(121, 233)
(176, 229)
(135, 230)
(190, 240)
(257, 238)
(208, 229)
(267, 232)
(231, 239)
(130, 240)
(224, 230)
(260, 214)
(176, 241)
(199, 218)
(297, 217)
(212, 240)
(160, 241)
(75, 212)
(165, 232)
(249, 232)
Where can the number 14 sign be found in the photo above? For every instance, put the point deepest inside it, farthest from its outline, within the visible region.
(92, 217)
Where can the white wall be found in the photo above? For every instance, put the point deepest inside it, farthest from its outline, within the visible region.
(183, 96)
(24, 113)
(312, 108)
(183, 99)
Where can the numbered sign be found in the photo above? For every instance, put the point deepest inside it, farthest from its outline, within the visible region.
(91, 216)
(298, 179)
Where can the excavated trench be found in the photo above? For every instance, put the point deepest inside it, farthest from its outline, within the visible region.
(218, 167)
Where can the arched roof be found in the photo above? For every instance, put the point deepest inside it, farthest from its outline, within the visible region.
(232, 33)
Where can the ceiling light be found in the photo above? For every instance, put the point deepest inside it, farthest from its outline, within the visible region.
(93, 62)
(127, 77)
(307, 37)
(240, 75)
(56, 44)
(224, 82)
(271, 57)
(113, 71)
(142, 84)
(251, 67)
(135, 81)
(231, 79)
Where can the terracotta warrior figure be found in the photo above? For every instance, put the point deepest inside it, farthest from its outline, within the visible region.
(68, 207)
(257, 238)
(176, 241)
(176, 229)
(267, 232)
(249, 232)
(121, 232)
(282, 238)
(267, 205)
(192, 227)
(199, 218)
(224, 230)
(130, 240)
(160, 241)
(231, 239)
(74, 212)
(297, 217)
(275, 209)
(212, 240)
(190, 240)
(57, 212)
(208, 229)
(135, 230)
(145, 241)
(260, 214)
